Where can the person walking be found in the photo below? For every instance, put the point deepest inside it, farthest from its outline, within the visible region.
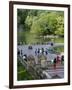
(18, 52)
(36, 52)
(54, 63)
(58, 59)
(42, 50)
(62, 59)
(46, 52)
(21, 52)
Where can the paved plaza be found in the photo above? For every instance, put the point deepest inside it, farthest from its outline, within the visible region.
(49, 72)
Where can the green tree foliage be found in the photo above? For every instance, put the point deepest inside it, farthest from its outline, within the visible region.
(21, 17)
(49, 23)
(41, 22)
(60, 26)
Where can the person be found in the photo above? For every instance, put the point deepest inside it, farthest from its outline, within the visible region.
(51, 43)
(42, 50)
(36, 52)
(21, 53)
(25, 57)
(54, 63)
(62, 59)
(18, 52)
(46, 52)
(58, 59)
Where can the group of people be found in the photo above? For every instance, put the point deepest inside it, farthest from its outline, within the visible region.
(41, 51)
(58, 60)
(44, 51)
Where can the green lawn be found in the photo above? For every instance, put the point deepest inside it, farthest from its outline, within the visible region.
(58, 49)
(29, 38)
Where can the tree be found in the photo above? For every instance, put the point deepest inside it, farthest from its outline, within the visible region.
(38, 23)
(60, 26)
(45, 24)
